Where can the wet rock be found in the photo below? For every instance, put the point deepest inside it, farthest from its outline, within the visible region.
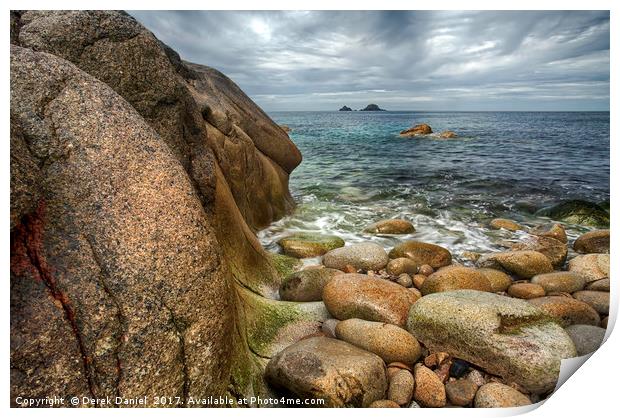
(560, 282)
(599, 285)
(591, 267)
(593, 242)
(391, 343)
(598, 300)
(499, 280)
(453, 278)
(423, 253)
(461, 392)
(553, 249)
(505, 336)
(330, 369)
(526, 290)
(426, 270)
(501, 223)
(421, 129)
(459, 368)
(329, 327)
(429, 390)
(404, 280)
(307, 285)
(566, 310)
(471, 255)
(401, 387)
(384, 403)
(525, 264)
(366, 256)
(306, 245)
(391, 226)
(577, 212)
(398, 266)
(359, 296)
(587, 338)
(448, 134)
(498, 395)
(555, 231)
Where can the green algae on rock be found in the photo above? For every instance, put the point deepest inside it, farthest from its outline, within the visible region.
(307, 244)
(504, 336)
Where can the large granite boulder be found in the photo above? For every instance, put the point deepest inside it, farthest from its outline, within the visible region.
(365, 256)
(505, 336)
(525, 264)
(329, 369)
(422, 253)
(593, 242)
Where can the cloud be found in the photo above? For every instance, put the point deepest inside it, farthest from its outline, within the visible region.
(407, 60)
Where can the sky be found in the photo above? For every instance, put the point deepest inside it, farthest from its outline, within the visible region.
(400, 60)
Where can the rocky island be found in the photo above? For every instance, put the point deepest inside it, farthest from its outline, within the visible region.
(345, 109)
(136, 269)
(372, 108)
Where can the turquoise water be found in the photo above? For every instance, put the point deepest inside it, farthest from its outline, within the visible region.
(356, 170)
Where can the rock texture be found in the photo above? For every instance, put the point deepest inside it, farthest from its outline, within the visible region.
(132, 226)
(359, 296)
(504, 336)
(422, 253)
(329, 369)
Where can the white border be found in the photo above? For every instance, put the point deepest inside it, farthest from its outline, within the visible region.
(592, 391)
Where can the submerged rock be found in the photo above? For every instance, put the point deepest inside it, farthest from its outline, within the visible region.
(307, 285)
(577, 212)
(501, 223)
(329, 369)
(422, 253)
(366, 256)
(306, 244)
(421, 129)
(453, 278)
(505, 336)
(360, 296)
(391, 226)
(593, 242)
(498, 395)
(525, 264)
(591, 267)
(391, 343)
(448, 134)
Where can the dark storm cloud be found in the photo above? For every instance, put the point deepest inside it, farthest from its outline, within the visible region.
(435, 60)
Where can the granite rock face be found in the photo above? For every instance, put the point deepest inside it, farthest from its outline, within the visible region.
(131, 228)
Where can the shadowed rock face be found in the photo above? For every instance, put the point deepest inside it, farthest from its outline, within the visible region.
(137, 183)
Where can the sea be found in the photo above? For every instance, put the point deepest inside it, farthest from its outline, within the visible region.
(356, 170)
